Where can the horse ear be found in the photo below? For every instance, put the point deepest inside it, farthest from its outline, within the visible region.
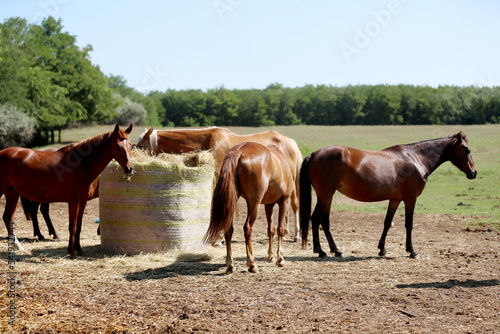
(459, 136)
(117, 127)
(150, 131)
(129, 129)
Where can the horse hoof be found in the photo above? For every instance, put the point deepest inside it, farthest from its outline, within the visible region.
(253, 269)
(297, 239)
(41, 238)
(382, 253)
(280, 263)
(230, 270)
(270, 259)
(414, 256)
(339, 254)
(56, 237)
(322, 255)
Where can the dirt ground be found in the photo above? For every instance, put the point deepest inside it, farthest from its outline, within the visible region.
(453, 288)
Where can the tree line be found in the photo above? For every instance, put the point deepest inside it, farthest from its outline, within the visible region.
(331, 105)
(48, 83)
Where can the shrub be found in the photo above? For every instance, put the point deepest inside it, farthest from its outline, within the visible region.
(16, 127)
(130, 112)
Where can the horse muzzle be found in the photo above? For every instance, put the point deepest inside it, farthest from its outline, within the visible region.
(472, 174)
(128, 170)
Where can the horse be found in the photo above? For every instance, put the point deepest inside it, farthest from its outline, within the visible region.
(220, 141)
(61, 176)
(398, 173)
(261, 175)
(30, 209)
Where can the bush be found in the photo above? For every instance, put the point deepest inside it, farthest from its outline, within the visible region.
(16, 127)
(130, 112)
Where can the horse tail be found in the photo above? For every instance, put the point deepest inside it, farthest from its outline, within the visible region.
(224, 200)
(26, 207)
(305, 199)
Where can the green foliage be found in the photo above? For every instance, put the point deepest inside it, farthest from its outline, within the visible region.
(16, 127)
(329, 105)
(45, 73)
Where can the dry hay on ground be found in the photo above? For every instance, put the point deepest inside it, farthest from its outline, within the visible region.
(453, 288)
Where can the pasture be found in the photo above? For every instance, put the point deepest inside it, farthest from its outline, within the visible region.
(453, 288)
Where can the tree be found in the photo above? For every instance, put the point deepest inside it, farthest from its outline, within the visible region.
(252, 110)
(280, 102)
(350, 105)
(45, 73)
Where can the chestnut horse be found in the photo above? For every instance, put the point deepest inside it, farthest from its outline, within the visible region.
(398, 174)
(220, 140)
(30, 209)
(61, 176)
(261, 175)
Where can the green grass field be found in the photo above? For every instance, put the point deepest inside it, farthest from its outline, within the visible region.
(474, 202)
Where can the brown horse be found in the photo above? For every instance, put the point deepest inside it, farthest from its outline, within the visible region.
(259, 174)
(398, 174)
(220, 140)
(30, 209)
(61, 176)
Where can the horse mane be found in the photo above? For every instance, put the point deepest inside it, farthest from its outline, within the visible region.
(153, 140)
(210, 128)
(427, 142)
(90, 142)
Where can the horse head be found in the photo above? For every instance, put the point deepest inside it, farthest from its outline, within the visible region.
(122, 147)
(461, 156)
(144, 138)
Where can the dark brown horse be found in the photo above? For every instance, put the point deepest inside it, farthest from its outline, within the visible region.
(30, 209)
(398, 174)
(260, 175)
(219, 141)
(61, 176)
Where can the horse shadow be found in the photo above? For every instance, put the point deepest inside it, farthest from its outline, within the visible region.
(344, 258)
(470, 283)
(91, 253)
(183, 266)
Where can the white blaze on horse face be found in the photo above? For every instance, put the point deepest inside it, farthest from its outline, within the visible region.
(123, 156)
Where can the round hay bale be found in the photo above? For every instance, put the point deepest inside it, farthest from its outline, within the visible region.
(164, 205)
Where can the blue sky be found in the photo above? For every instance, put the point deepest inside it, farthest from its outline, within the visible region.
(160, 45)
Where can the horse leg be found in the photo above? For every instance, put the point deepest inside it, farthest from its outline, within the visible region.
(283, 210)
(409, 209)
(294, 201)
(391, 210)
(229, 253)
(81, 211)
(44, 209)
(253, 211)
(11, 198)
(33, 207)
(73, 216)
(315, 222)
(270, 230)
(325, 224)
(324, 219)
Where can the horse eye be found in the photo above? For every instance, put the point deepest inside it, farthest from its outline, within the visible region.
(468, 151)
